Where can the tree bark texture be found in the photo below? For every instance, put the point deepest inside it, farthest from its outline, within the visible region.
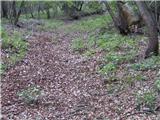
(149, 19)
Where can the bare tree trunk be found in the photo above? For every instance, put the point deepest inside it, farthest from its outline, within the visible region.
(4, 9)
(31, 11)
(153, 47)
(32, 15)
(119, 21)
(111, 14)
(39, 11)
(122, 19)
(14, 8)
(19, 13)
(48, 13)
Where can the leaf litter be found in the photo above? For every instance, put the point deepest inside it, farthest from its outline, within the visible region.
(73, 90)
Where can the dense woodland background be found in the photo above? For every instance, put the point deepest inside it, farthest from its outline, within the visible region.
(80, 60)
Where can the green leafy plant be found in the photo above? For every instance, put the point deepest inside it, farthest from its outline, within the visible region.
(31, 94)
(118, 58)
(2, 68)
(89, 24)
(140, 77)
(129, 80)
(14, 46)
(78, 45)
(89, 53)
(108, 68)
(150, 63)
(157, 84)
(115, 42)
(147, 99)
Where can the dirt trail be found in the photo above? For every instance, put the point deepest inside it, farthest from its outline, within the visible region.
(73, 89)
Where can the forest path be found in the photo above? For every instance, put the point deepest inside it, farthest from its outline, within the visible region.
(73, 90)
(71, 85)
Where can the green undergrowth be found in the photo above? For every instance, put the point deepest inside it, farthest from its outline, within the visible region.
(117, 49)
(4, 21)
(152, 63)
(50, 25)
(31, 94)
(89, 24)
(14, 48)
(148, 98)
(78, 45)
(121, 67)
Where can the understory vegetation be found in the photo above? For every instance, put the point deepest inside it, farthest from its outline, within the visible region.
(53, 48)
(119, 53)
(14, 47)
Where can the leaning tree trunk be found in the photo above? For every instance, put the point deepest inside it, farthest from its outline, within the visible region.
(111, 14)
(153, 47)
(119, 20)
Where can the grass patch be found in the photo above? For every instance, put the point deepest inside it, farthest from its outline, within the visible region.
(157, 85)
(2, 68)
(119, 49)
(108, 68)
(50, 24)
(116, 42)
(14, 47)
(150, 63)
(147, 100)
(119, 58)
(90, 24)
(78, 45)
(89, 53)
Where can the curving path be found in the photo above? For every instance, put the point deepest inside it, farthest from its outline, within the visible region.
(73, 90)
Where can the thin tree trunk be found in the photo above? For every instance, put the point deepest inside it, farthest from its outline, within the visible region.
(19, 13)
(112, 15)
(14, 8)
(39, 8)
(32, 15)
(4, 8)
(153, 47)
(48, 13)
(31, 11)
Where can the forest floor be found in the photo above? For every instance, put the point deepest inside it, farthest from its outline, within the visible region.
(68, 83)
